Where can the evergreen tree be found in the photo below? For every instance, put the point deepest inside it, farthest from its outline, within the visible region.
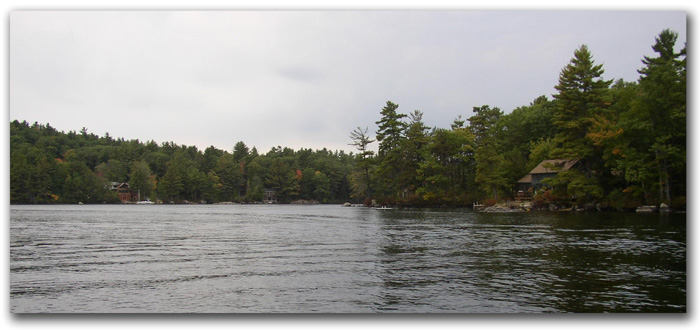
(81, 184)
(229, 177)
(582, 94)
(437, 184)
(115, 170)
(240, 151)
(616, 134)
(490, 168)
(413, 149)
(582, 97)
(390, 137)
(363, 181)
(663, 106)
(140, 179)
(483, 123)
(518, 130)
(307, 183)
(322, 187)
(447, 172)
(212, 187)
(255, 191)
(282, 179)
(172, 185)
(196, 184)
(31, 174)
(490, 172)
(209, 158)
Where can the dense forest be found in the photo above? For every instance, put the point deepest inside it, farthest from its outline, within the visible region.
(629, 139)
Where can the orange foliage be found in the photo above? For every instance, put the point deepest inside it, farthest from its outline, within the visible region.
(603, 129)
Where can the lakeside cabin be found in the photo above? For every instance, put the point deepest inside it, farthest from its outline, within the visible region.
(546, 169)
(125, 194)
(270, 196)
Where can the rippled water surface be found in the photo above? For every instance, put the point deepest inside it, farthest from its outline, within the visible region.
(326, 258)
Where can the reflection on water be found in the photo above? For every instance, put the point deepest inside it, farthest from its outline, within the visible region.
(273, 258)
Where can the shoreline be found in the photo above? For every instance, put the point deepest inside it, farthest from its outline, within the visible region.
(490, 209)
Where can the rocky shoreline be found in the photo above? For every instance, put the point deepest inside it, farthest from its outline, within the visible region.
(662, 208)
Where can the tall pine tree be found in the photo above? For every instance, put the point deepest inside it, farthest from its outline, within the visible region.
(583, 96)
(390, 137)
(362, 184)
(663, 105)
(413, 148)
(490, 171)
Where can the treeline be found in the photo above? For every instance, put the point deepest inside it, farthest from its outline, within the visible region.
(48, 166)
(629, 139)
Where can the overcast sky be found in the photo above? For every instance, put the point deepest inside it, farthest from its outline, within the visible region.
(300, 79)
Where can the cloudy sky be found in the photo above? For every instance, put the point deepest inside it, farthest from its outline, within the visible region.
(300, 78)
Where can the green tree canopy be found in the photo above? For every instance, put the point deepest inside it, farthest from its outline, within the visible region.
(582, 94)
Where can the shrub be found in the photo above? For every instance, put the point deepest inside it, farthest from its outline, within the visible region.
(538, 202)
(411, 200)
(678, 203)
(464, 200)
(385, 200)
(624, 199)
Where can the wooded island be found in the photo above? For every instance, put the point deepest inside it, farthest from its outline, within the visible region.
(616, 144)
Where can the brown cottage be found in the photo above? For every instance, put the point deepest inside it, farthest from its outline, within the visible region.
(545, 169)
(125, 194)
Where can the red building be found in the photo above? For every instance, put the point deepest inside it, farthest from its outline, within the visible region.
(126, 195)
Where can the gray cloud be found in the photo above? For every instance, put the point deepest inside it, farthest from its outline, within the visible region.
(300, 79)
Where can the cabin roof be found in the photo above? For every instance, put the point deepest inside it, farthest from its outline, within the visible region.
(552, 166)
(526, 179)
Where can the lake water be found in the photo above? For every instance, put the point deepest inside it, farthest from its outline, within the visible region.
(327, 258)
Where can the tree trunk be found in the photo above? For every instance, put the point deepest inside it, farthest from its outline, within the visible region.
(369, 184)
(661, 176)
(667, 185)
(664, 180)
